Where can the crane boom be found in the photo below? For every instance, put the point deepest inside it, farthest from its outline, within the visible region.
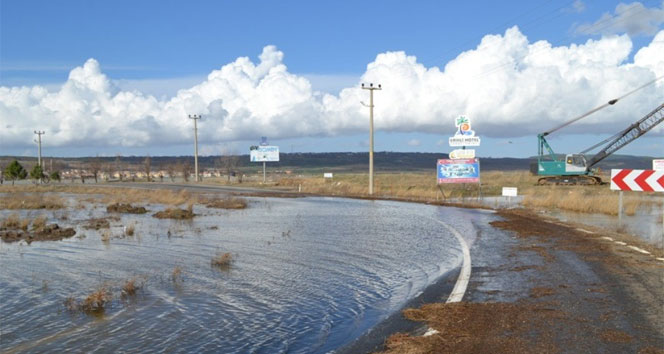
(630, 134)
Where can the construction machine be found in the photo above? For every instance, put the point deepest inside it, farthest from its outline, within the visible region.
(579, 169)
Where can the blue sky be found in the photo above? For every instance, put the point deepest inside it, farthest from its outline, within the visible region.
(160, 47)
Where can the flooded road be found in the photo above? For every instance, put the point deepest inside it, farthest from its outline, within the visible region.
(309, 275)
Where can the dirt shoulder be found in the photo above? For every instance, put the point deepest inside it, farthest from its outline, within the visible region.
(548, 287)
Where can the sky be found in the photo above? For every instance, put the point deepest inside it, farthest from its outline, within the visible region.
(121, 77)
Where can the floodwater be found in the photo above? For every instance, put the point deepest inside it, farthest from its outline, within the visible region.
(645, 224)
(309, 275)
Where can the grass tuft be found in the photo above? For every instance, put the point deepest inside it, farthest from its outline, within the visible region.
(222, 260)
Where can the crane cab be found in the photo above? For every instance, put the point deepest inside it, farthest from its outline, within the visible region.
(575, 163)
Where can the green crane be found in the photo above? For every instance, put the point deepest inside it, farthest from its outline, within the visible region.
(576, 168)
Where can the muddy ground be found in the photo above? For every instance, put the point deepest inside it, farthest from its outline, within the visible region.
(548, 288)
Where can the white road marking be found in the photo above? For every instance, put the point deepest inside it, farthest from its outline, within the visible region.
(606, 238)
(620, 243)
(639, 249)
(586, 231)
(660, 259)
(462, 281)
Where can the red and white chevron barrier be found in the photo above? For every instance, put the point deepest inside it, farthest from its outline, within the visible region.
(637, 180)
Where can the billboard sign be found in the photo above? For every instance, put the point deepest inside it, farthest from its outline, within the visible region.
(328, 175)
(464, 135)
(264, 153)
(462, 154)
(458, 171)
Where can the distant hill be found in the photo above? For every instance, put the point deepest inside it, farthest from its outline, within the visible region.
(333, 161)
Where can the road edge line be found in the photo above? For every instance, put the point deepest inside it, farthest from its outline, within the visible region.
(461, 284)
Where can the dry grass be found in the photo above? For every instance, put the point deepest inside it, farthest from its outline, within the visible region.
(226, 203)
(20, 200)
(413, 186)
(95, 302)
(176, 275)
(130, 229)
(14, 221)
(106, 235)
(131, 286)
(39, 222)
(108, 195)
(591, 199)
(175, 213)
(222, 260)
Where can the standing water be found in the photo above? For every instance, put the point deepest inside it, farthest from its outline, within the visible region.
(309, 275)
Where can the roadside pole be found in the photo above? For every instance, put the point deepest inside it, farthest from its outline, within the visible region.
(371, 89)
(620, 208)
(195, 118)
(263, 172)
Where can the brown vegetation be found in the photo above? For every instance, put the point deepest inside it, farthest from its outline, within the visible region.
(176, 275)
(222, 260)
(30, 201)
(97, 224)
(481, 328)
(226, 203)
(175, 213)
(94, 303)
(131, 286)
(125, 208)
(14, 229)
(130, 229)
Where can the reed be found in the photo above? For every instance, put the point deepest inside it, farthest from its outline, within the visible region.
(222, 260)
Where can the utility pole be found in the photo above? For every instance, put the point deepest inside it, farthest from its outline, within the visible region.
(38, 141)
(371, 89)
(195, 118)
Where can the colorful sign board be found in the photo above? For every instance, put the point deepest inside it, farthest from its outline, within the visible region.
(458, 171)
(264, 154)
(464, 135)
(509, 191)
(637, 180)
(462, 154)
(658, 164)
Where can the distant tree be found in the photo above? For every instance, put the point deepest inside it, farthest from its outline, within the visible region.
(147, 165)
(37, 173)
(55, 176)
(185, 169)
(15, 171)
(2, 174)
(95, 167)
(170, 171)
(108, 170)
(229, 163)
(118, 165)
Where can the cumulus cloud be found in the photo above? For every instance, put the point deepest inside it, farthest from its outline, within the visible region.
(508, 86)
(633, 19)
